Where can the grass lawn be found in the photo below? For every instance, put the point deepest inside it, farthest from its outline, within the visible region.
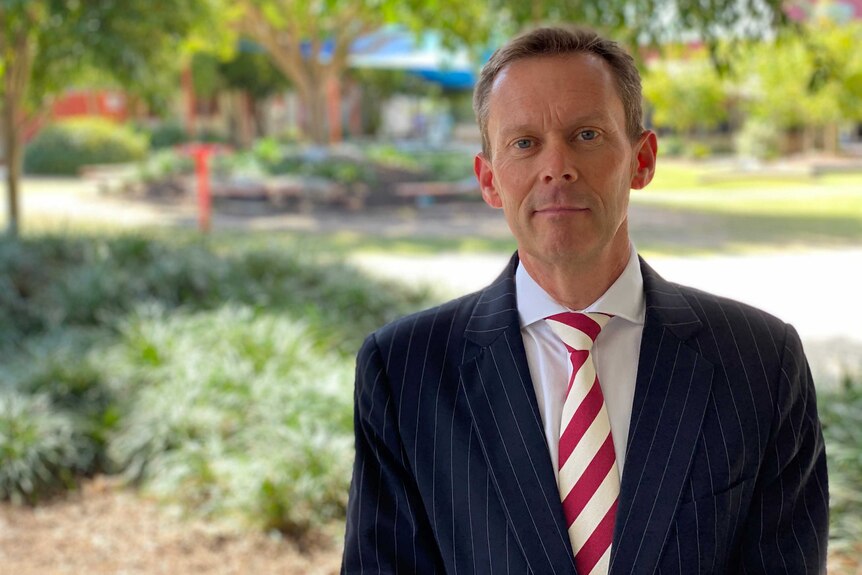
(749, 213)
(681, 214)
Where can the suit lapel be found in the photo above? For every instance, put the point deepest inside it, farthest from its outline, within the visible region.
(671, 393)
(502, 402)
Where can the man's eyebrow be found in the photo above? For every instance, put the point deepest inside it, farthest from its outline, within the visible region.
(517, 129)
(529, 127)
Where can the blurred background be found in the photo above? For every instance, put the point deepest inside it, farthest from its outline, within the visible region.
(210, 203)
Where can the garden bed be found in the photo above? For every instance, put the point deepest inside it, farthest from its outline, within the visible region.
(107, 529)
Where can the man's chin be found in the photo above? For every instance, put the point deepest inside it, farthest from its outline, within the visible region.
(561, 252)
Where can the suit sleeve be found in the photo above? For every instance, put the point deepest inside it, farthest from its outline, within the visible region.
(787, 526)
(387, 528)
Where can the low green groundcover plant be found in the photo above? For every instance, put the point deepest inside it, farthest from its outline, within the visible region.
(213, 373)
(41, 449)
(841, 415)
(237, 413)
(65, 147)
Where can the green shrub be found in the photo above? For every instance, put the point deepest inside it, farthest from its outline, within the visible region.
(758, 139)
(165, 164)
(41, 449)
(63, 282)
(671, 146)
(166, 135)
(268, 151)
(392, 157)
(64, 365)
(841, 415)
(699, 151)
(236, 413)
(64, 147)
(445, 166)
(342, 170)
(214, 372)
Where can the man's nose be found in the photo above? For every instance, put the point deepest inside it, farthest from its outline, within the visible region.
(559, 164)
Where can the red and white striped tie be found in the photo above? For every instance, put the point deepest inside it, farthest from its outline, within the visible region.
(588, 478)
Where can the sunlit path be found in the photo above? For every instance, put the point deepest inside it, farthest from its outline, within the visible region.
(813, 290)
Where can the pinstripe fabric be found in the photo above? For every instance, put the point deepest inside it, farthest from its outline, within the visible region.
(725, 468)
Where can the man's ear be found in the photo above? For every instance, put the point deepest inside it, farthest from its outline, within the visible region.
(485, 175)
(645, 155)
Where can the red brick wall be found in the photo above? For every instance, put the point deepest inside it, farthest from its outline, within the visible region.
(100, 103)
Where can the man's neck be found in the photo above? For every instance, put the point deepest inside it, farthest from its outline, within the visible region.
(577, 283)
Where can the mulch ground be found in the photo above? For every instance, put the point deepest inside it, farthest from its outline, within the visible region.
(106, 529)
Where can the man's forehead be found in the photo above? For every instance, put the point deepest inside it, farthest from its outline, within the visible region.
(579, 82)
(578, 63)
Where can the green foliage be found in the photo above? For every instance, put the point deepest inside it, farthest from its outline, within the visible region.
(64, 147)
(342, 170)
(166, 135)
(841, 415)
(807, 80)
(758, 139)
(392, 157)
(251, 69)
(215, 374)
(688, 96)
(446, 166)
(437, 165)
(700, 151)
(364, 165)
(40, 448)
(650, 21)
(671, 146)
(164, 165)
(48, 45)
(238, 412)
(61, 282)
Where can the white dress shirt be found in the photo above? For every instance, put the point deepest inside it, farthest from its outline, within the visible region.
(615, 352)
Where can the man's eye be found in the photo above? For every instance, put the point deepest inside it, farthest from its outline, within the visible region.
(588, 135)
(523, 144)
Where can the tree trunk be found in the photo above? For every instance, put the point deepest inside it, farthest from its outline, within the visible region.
(315, 104)
(832, 139)
(16, 79)
(333, 109)
(12, 145)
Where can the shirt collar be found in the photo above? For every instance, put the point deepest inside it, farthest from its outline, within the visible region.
(625, 297)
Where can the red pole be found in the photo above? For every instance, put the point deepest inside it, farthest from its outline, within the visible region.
(204, 205)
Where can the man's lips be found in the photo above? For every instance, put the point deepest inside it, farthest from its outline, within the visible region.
(553, 210)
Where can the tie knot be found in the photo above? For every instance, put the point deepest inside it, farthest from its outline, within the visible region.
(578, 330)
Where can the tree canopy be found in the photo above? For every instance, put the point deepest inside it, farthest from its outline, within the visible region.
(46, 45)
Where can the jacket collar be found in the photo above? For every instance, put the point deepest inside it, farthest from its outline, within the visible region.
(497, 307)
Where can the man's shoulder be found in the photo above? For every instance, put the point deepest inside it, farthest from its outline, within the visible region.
(734, 329)
(451, 316)
(690, 305)
(710, 307)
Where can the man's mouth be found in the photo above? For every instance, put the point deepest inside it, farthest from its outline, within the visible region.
(560, 210)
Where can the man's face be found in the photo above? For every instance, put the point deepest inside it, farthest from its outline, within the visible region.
(561, 163)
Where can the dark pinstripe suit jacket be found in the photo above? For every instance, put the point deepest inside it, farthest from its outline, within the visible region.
(725, 469)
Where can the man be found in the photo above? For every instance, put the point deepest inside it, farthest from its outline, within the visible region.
(581, 414)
